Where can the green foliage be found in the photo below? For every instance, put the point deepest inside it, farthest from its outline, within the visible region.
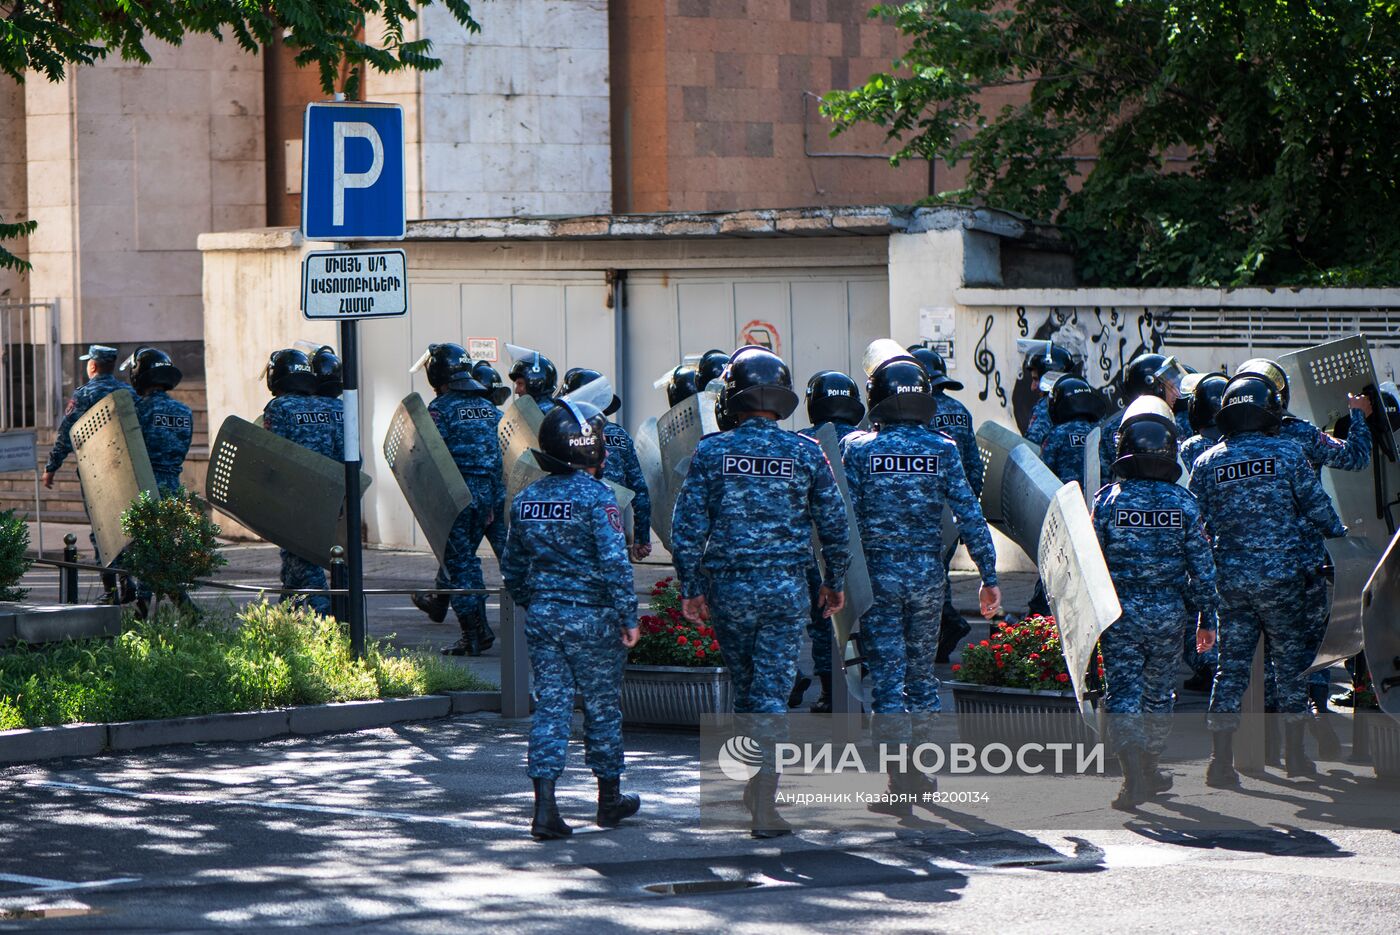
(14, 542)
(1019, 655)
(270, 656)
(668, 639)
(1242, 142)
(12, 231)
(174, 543)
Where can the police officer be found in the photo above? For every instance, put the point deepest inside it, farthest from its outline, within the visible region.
(566, 564)
(1201, 411)
(622, 466)
(1154, 542)
(1051, 358)
(497, 392)
(330, 375)
(710, 368)
(317, 423)
(535, 376)
(741, 541)
(832, 398)
(167, 425)
(901, 475)
(467, 422)
(952, 419)
(1146, 375)
(681, 384)
(1260, 500)
(1074, 407)
(101, 362)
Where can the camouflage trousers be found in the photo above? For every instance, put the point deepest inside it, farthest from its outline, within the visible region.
(1140, 652)
(1277, 611)
(297, 572)
(758, 617)
(575, 650)
(818, 627)
(462, 568)
(1317, 608)
(899, 638)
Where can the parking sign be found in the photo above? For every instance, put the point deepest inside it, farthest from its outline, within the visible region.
(353, 172)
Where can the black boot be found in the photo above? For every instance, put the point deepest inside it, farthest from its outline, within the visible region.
(613, 804)
(1296, 758)
(1273, 742)
(799, 690)
(898, 788)
(1329, 745)
(1133, 791)
(761, 796)
(1220, 774)
(950, 633)
(465, 646)
(434, 605)
(823, 703)
(547, 825)
(109, 589)
(1155, 778)
(1201, 680)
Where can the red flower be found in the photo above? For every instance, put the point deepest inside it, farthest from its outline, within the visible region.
(984, 643)
(699, 652)
(714, 645)
(1035, 655)
(1062, 677)
(681, 641)
(956, 667)
(1000, 664)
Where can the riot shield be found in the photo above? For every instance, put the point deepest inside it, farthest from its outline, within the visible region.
(518, 432)
(649, 456)
(1077, 583)
(289, 495)
(113, 468)
(1319, 379)
(427, 475)
(1093, 468)
(996, 442)
(1380, 619)
(678, 433)
(859, 596)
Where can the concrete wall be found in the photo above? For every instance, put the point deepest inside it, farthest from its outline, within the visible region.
(14, 181)
(516, 121)
(128, 165)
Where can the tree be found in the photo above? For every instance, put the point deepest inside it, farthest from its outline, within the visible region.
(48, 36)
(1248, 141)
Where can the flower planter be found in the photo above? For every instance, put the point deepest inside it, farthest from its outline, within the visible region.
(1384, 733)
(1015, 716)
(674, 696)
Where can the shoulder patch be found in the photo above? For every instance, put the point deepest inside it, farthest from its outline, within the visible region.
(614, 518)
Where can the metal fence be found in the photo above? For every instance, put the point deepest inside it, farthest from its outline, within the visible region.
(31, 378)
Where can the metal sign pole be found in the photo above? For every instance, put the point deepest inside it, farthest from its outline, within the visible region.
(354, 554)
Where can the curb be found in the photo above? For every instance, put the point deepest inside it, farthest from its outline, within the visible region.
(28, 745)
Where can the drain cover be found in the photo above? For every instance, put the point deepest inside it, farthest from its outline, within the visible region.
(696, 887)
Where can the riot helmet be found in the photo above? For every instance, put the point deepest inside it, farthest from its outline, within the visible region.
(1147, 440)
(1152, 375)
(681, 384)
(536, 370)
(710, 367)
(899, 391)
(151, 367)
(724, 416)
(1045, 356)
(571, 435)
(1071, 398)
(1250, 403)
(289, 372)
(579, 376)
(1269, 370)
(495, 389)
(833, 397)
(449, 366)
(757, 380)
(330, 376)
(1205, 401)
(935, 367)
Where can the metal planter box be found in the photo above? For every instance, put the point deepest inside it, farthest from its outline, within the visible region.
(1385, 743)
(674, 696)
(1015, 716)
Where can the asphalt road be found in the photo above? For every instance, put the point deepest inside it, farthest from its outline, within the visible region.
(422, 828)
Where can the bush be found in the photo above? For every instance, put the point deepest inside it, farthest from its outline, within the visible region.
(173, 544)
(268, 656)
(1019, 655)
(668, 639)
(14, 542)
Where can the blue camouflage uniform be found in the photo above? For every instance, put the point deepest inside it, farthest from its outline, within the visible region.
(1108, 444)
(1040, 424)
(167, 427)
(819, 627)
(900, 478)
(566, 564)
(84, 398)
(317, 423)
(1063, 451)
(1155, 545)
(954, 420)
(467, 423)
(623, 468)
(1196, 445)
(1257, 495)
(741, 534)
(1183, 425)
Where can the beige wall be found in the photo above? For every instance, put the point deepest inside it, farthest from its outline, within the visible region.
(14, 183)
(128, 165)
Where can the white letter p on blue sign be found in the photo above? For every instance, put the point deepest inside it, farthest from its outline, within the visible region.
(353, 172)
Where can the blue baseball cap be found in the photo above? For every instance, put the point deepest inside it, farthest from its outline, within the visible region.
(100, 352)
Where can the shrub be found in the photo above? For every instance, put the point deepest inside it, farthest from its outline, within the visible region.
(1019, 655)
(174, 542)
(14, 542)
(668, 639)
